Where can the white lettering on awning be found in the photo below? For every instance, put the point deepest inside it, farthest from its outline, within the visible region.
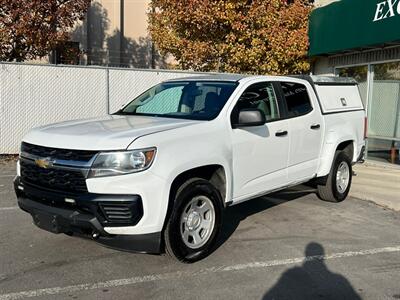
(386, 9)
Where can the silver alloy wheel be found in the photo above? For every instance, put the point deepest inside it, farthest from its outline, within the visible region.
(197, 222)
(342, 177)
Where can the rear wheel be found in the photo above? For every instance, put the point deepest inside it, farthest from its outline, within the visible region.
(338, 184)
(193, 227)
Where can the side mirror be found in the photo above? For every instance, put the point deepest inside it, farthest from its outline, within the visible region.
(249, 117)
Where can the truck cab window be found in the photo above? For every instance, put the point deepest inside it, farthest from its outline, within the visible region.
(195, 100)
(297, 99)
(166, 101)
(261, 96)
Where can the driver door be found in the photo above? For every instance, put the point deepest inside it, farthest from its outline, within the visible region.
(260, 153)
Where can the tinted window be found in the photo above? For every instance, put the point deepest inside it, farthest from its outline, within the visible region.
(198, 100)
(297, 100)
(261, 96)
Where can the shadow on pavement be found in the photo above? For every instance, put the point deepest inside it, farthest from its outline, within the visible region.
(235, 214)
(312, 280)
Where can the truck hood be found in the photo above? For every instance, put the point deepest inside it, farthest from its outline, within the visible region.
(106, 133)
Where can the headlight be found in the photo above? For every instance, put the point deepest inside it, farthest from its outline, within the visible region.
(120, 163)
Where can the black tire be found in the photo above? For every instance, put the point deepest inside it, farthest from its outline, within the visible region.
(329, 191)
(174, 243)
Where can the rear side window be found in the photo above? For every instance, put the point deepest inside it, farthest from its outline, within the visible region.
(297, 99)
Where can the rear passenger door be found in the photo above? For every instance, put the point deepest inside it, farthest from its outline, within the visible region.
(305, 130)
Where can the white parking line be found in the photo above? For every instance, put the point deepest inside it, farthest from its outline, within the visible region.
(186, 274)
(8, 208)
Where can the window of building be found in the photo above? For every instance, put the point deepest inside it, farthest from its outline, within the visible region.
(297, 99)
(384, 113)
(383, 107)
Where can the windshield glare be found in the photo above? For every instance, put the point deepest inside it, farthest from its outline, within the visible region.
(197, 100)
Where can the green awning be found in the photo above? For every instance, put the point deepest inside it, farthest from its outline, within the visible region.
(353, 24)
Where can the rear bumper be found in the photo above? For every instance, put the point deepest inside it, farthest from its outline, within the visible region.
(83, 216)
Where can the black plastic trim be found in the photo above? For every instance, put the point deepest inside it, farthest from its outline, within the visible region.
(360, 158)
(84, 203)
(336, 83)
(281, 133)
(75, 221)
(69, 221)
(143, 243)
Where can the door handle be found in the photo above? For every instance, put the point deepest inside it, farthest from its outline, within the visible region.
(315, 126)
(281, 133)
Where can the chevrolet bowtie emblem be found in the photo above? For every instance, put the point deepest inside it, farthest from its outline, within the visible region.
(44, 163)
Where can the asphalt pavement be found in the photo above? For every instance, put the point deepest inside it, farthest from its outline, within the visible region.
(288, 245)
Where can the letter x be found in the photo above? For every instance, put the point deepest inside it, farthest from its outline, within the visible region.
(390, 12)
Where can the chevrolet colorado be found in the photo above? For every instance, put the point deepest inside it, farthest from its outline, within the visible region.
(157, 174)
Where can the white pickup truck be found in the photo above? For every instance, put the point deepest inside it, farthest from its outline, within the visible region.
(157, 174)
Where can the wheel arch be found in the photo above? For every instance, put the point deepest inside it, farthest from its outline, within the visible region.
(211, 172)
(346, 144)
(214, 173)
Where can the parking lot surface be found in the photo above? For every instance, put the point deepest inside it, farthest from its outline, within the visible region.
(288, 245)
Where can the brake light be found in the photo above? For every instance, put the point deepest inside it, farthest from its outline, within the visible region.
(365, 127)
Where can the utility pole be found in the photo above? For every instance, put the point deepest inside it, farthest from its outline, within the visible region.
(88, 37)
(122, 33)
(153, 48)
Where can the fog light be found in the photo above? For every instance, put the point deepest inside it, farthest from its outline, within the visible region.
(68, 200)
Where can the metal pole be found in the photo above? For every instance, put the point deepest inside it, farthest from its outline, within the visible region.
(88, 37)
(108, 91)
(153, 48)
(368, 104)
(121, 29)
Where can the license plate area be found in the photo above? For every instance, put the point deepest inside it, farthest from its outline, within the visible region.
(47, 222)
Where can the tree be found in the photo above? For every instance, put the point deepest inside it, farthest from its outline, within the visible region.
(31, 28)
(259, 36)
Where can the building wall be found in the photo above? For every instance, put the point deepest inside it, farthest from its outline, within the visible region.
(320, 3)
(136, 18)
(114, 33)
(322, 66)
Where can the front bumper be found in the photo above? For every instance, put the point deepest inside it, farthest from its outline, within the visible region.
(86, 216)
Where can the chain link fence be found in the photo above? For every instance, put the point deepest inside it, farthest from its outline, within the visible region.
(34, 95)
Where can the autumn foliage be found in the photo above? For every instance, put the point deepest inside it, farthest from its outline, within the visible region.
(31, 28)
(259, 36)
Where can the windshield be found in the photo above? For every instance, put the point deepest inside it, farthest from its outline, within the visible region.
(196, 100)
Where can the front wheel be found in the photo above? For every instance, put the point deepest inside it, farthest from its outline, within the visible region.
(338, 184)
(192, 229)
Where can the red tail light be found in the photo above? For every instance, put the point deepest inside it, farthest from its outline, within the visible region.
(365, 127)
